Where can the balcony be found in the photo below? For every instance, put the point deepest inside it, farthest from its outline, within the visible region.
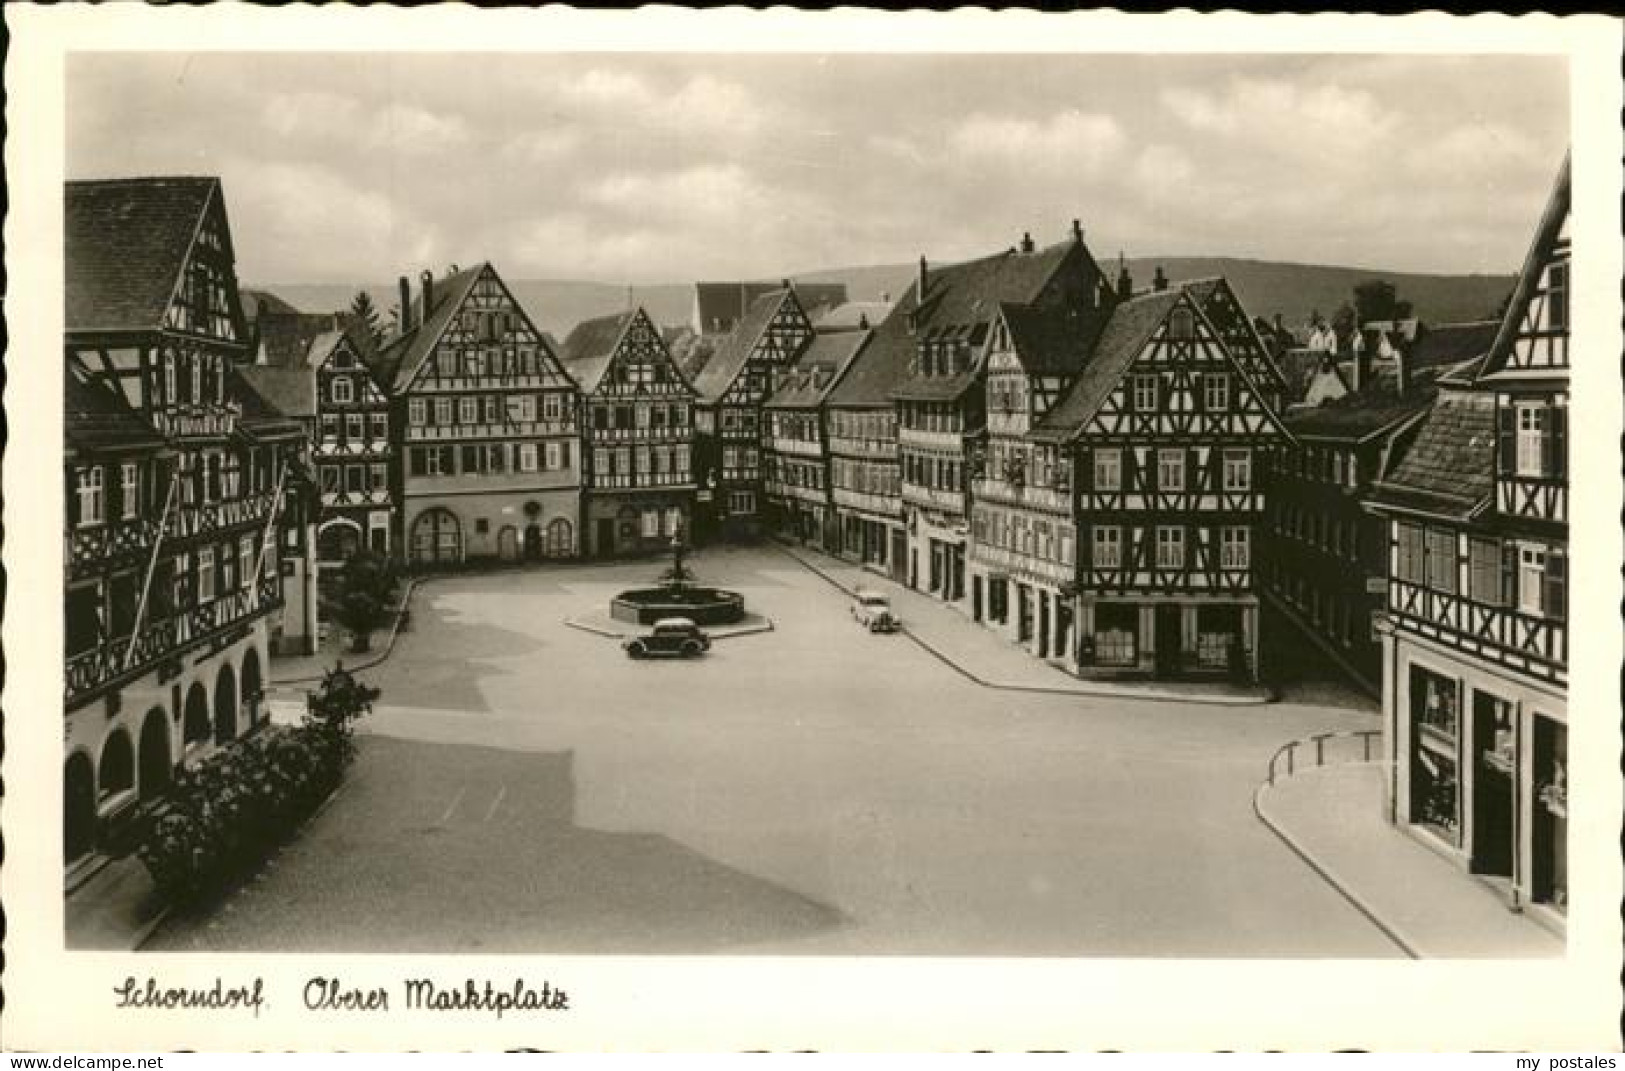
(676, 481)
(813, 495)
(196, 421)
(1504, 634)
(90, 549)
(883, 449)
(811, 448)
(867, 501)
(105, 665)
(1029, 496)
(351, 450)
(517, 429)
(933, 499)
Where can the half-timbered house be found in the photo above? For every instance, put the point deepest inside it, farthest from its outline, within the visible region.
(864, 473)
(796, 447)
(1163, 429)
(948, 315)
(1476, 651)
(637, 435)
(175, 501)
(745, 370)
(354, 449)
(484, 418)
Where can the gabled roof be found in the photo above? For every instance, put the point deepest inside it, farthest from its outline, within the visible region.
(1131, 325)
(819, 369)
(1449, 467)
(399, 358)
(261, 417)
(1053, 342)
(1534, 263)
(286, 338)
(1355, 418)
(288, 389)
(124, 244)
(1217, 288)
(94, 420)
(850, 315)
(725, 304)
(258, 302)
(723, 368)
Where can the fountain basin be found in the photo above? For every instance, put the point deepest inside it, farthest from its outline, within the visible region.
(702, 605)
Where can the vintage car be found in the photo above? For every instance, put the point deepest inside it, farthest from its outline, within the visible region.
(873, 612)
(671, 637)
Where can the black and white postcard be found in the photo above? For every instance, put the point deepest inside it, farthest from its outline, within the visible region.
(776, 530)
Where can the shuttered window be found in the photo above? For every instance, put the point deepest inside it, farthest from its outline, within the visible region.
(1441, 559)
(1408, 561)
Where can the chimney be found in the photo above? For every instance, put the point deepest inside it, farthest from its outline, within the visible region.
(925, 277)
(1279, 327)
(1125, 282)
(1160, 281)
(427, 280)
(1360, 368)
(885, 297)
(1077, 231)
(1027, 241)
(406, 306)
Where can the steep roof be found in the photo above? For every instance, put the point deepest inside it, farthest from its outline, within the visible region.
(1449, 467)
(124, 244)
(1207, 291)
(596, 337)
(1129, 329)
(1053, 342)
(725, 304)
(850, 315)
(1447, 344)
(733, 351)
(261, 416)
(1534, 263)
(399, 358)
(94, 419)
(288, 389)
(819, 369)
(1354, 421)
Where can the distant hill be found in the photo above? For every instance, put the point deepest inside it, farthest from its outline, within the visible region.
(1265, 288)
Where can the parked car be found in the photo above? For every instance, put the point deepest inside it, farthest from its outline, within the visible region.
(671, 637)
(873, 612)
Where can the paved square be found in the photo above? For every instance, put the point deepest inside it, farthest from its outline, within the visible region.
(525, 787)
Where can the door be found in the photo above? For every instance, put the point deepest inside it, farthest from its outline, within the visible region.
(1043, 624)
(508, 543)
(606, 537)
(533, 542)
(1024, 613)
(1495, 760)
(976, 598)
(1167, 638)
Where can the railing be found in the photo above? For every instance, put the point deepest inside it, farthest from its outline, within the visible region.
(91, 546)
(796, 447)
(355, 498)
(201, 518)
(1024, 564)
(198, 421)
(868, 501)
(1502, 633)
(631, 482)
(114, 659)
(1316, 747)
(668, 434)
(932, 440)
(493, 381)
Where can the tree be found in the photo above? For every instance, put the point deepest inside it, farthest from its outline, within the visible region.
(1344, 320)
(366, 314)
(367, 586)
(1375, 299)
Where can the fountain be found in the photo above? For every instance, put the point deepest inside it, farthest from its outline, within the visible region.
(678, 596)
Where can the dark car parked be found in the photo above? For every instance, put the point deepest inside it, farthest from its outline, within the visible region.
(671, 637)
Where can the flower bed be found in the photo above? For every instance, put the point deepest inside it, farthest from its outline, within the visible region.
(223, 816)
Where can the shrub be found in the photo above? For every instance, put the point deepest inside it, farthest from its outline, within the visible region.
(224, 815)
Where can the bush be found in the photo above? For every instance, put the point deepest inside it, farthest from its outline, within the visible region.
(223, 816)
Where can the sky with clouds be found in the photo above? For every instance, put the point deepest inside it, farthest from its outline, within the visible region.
(673, 167)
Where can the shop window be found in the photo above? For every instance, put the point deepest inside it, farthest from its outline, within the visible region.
(1116, 628)
(1435, 703)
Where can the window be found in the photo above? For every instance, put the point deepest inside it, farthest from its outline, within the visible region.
(379, 475)
(330, 426)
(682, 461)
(1235, 545)
(1557, 297)
(169, 380)
(471, 459)
(600, 417)
(600, 461)
(1238, 470)
(468, 410)
(642, 454)
(1216, 392)
(92, 502)
(672, 521)
(1531, 440)
(354, 427)
(355, 479)
(527, 457)
(642, 415)
(1408, 563)
(205, 574)
(679, 416)
(1181, 325)
(492, 409)
(1531, 580)
(1441, 559)
(741, 502)
(1108, 470)
(1170, 548)
(330, 479)
(379, 423)
(556, 458)
(343, 390)
(527, 407)
(129, 490)
(417, 411)
(651, 523)
(1108, 548)
(245, 561)
(1484, 571)
(442, 411)
(1170, 470)
(623, 460)
(432, 462)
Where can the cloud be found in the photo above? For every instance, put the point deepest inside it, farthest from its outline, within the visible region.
(718, 192)
(551, 144)
(1068, 138)
(1284, 115)
(293, 209)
